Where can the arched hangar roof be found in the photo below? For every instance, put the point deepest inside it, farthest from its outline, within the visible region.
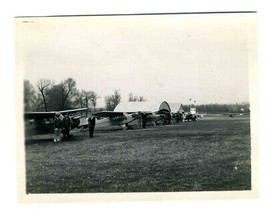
(145, 106)
(176, 107)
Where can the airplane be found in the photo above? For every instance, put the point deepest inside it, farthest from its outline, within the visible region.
(113, 120)
(41, 123)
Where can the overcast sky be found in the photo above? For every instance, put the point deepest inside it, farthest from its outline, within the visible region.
(165, 57)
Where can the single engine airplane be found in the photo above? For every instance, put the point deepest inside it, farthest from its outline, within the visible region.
(111, 120)
(41, 123)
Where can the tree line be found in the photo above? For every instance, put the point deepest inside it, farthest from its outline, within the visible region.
(242, 107)
(46, 95)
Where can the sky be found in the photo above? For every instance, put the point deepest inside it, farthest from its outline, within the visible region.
(174, 58)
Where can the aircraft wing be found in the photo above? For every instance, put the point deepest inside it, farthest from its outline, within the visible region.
(38, 115)
(109, 114)
(73, 110)
(42, 115)
(112, 114)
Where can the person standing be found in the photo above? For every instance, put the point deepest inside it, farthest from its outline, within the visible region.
(176, 116)
(66, 127)
(91, 124)
(140, 122)
(169, 117)
(179, 117)
(57, 129)
(143, 116)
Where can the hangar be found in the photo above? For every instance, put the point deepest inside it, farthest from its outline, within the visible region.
(145, 106)
(176, 108)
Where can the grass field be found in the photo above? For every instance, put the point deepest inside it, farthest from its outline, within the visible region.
(207, 155)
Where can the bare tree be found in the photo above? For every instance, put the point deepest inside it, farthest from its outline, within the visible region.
(79, 101)
(38, 103)
(133, 98)
(62, 96)
(93, 98)
(55, 97)
(43, 86)
(113, 100)
(69, 91)
(141, 99)
(87, 99)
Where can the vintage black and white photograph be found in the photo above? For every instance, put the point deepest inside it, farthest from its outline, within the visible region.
(137, 103)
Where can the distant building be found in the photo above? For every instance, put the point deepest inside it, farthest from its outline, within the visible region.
(145, 106)
(176, 108)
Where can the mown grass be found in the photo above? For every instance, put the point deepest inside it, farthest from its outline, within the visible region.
(207, 155)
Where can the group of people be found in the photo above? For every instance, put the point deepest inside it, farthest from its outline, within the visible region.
(63, 126)
(179, 117)
(141, 117)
